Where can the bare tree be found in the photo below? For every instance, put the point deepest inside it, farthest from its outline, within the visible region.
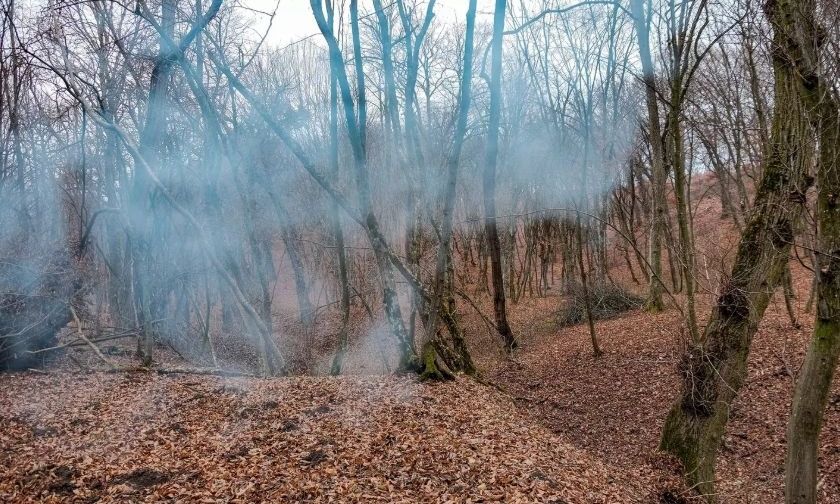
(714, 368)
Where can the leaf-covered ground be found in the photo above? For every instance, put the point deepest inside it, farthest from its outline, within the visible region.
(614, 406)
(124, 437)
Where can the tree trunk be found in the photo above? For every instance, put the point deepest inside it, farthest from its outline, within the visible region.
(587, 302)
(686, 243)
(489, 179)
(441, 294)
(337, 231)
(356, 134)
(814, 383)
(789, 295)
(714, 369)
(659, 179)
(141, 207)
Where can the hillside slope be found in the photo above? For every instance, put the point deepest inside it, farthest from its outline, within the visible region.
(614, 407)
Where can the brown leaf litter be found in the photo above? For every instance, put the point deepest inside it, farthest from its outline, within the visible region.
(148, 437)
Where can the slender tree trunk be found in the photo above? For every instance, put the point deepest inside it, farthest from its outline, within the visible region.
(440, 294)
(489, 185)
(659, 178)
(141, 206)
(338, 232)
(360, 75)
(14, 119)
(686, 245)
(587, 302)
(813, 385)
(287, 234)
(343, 279)
(714, 370)
(301, 288)
(356, 133)
(787, 291)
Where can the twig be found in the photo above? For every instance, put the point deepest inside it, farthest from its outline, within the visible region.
(130, 334)
(486, 319)
(89, 342)
(188, 371)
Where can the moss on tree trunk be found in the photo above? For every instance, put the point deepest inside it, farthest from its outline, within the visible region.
(814, 382)
(714, 368)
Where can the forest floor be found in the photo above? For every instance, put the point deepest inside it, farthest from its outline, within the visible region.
(125, 437)
(614, 406)
(550, 423)
(557, 426)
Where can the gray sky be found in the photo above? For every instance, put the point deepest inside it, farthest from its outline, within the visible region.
(294, 17)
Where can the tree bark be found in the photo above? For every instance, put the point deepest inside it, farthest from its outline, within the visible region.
(655, 287)
(587, 302)
(489, 179)
(714, 369)
(813, 385)
(686, 243)
(381, 250)
(442, 295)
(337, 230)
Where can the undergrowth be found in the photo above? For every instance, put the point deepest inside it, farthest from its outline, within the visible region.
(606, 301)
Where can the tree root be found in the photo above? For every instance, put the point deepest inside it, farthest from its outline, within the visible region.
(430, 370)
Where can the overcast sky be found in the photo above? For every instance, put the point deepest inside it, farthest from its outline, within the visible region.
(294, 17)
